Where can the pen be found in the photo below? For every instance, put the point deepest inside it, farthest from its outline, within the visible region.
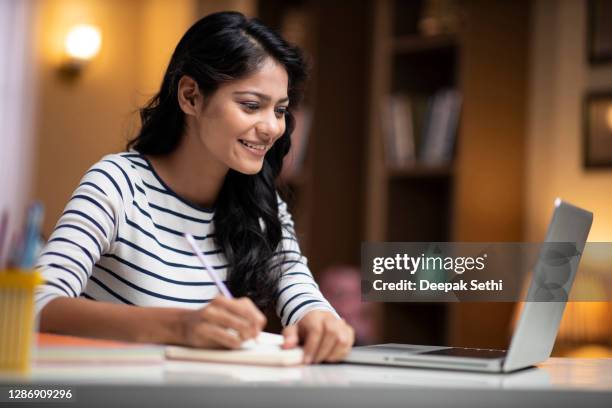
(3, 234)
(31, 235)
(211, 272)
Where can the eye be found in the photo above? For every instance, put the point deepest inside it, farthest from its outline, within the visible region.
(281, 111)
(250, 106)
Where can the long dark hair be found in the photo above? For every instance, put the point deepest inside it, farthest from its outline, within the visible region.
(222, 47)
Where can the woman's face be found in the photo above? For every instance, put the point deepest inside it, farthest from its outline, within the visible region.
(240, 122)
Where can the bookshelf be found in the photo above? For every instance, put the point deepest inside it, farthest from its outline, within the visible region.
(442, 202)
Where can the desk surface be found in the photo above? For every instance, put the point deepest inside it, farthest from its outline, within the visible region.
(558, 382)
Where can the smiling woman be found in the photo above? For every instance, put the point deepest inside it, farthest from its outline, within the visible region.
(205, 162)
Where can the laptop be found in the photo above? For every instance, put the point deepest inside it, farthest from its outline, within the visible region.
(535, 332)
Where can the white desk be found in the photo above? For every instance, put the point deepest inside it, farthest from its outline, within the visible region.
(558, 382)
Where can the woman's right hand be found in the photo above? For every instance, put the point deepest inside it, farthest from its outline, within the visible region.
(223, 323)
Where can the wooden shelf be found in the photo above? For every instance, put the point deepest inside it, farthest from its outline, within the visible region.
(408, 44)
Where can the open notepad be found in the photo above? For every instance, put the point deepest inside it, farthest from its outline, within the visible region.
(265, 351)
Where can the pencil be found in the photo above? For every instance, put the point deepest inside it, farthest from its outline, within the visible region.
(211, 272)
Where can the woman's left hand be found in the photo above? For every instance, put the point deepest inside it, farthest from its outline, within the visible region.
(324, 336)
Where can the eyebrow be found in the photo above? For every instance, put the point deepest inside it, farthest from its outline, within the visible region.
(261, 96)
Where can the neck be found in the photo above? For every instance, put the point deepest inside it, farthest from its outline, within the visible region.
(191, 171)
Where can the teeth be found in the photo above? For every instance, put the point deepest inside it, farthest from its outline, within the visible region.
(257, 147)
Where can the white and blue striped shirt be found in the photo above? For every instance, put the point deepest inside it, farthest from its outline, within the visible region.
(120, 240)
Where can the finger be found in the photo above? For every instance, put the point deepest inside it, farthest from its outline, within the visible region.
(343, 345)
(224, 318)
(211, 335)
(290, 334)
(327, 343)
(245, 308)
(311, 344)
(232, 306)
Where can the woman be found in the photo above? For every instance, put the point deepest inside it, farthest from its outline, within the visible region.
(205, 162)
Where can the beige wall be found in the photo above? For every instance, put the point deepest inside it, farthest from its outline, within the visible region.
(79, 122)
(559, 77)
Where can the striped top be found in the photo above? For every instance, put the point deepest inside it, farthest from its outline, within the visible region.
(120, 240)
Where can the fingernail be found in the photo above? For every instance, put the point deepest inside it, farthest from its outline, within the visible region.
(307, 359)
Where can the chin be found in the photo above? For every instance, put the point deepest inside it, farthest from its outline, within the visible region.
(248, 169)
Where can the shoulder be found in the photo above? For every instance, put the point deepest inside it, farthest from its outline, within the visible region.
(116, 172)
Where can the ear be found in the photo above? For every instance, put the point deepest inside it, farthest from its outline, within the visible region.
(189, 97)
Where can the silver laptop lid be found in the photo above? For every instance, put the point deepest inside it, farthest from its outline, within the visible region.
(538, 324)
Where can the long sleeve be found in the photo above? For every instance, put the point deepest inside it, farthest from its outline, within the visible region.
(298, 293)
(85, 231)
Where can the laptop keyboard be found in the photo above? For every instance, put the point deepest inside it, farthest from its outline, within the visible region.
(467, 352)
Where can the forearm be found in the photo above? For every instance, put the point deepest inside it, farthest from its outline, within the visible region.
(82, 317)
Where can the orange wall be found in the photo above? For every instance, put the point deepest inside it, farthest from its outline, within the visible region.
(559, 77)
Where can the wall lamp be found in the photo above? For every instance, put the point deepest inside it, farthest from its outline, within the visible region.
(81, 45)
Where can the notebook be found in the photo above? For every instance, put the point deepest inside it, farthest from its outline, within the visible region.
(265, 351)
(56, 349)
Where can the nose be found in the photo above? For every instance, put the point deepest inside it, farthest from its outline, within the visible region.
(269, 127)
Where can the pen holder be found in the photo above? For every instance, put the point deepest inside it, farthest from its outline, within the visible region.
(17, 319)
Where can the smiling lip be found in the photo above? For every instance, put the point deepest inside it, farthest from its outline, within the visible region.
(258, 149)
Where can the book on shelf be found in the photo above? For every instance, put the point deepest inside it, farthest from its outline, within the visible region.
(398, 129)
(440, 128)
(420, 129)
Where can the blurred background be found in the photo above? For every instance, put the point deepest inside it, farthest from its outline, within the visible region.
(424, 120)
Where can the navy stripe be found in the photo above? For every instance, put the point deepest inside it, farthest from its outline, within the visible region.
(139, 164)
(94, 202)
(80, 265)
(176, 265)
(288, 252)
(60, 239)
(140, 189)
(158, 189)
(68, 285)
(63, 268)
(160, 277)
(150, 293)
(294, 284)
(87, 183)
(55, 285)
(127, 179)
(297, 273)
(130, 155)
(298, 307)
(287, 262)
(109, 290)
(82, 214)
(153, 237)
(157, 207)
(175, 232)
(108, 176)
(146, 214)
(282, 312)
(165, 191)
(76, 227)
(86, 296)
(289, 238)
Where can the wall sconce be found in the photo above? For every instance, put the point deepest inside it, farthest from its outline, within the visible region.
(81, 45)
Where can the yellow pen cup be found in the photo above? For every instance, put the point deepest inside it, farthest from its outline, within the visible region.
(17, 319)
